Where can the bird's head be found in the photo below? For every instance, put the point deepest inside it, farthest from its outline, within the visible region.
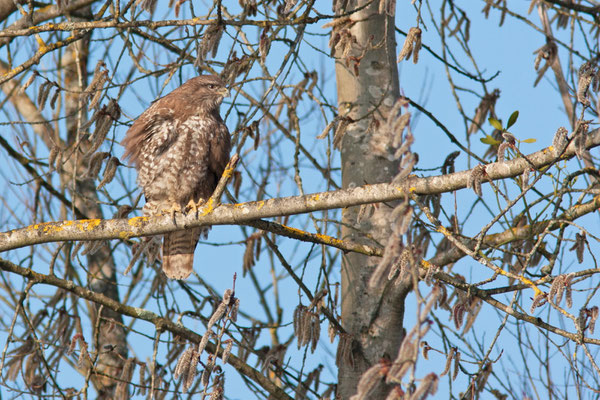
(207, 91)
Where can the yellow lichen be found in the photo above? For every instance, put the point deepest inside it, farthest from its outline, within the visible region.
(208, 207)
(125, 234)
(137, 221)
(88, 224)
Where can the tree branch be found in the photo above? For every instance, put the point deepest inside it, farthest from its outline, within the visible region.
(161, 323)
(226, 214)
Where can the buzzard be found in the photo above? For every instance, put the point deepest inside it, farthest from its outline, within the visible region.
(180, 147)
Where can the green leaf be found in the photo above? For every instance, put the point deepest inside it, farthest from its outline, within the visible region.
(495, 123)
(490, 140)
(529, 140)
(512, 119)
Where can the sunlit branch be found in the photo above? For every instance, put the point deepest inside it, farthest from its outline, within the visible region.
(483, 295)
(227, 214)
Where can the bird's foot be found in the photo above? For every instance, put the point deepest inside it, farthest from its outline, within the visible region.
(194, 206)
(171, 210)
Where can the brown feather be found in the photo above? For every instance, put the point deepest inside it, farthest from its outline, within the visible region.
(178, 253)
(180, 147)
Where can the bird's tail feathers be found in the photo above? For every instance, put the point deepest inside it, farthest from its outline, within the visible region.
(178, 253)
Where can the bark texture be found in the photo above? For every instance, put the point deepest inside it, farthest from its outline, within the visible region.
(373, 317)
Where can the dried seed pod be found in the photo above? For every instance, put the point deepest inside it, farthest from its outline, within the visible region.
(227, 351)
(525, 178)
(425, 349)
(306, 327)
(579, 137)
(344, 352)
(183, 363)
(188, 378)
(340, 131)
(54, 98)
(411, 46)
(76, 250)
(332, 332)
(593, 312)
(142, 378)
(368, 380)
(121, 391)
(71, 348)
(539, 300)
(52, 157)
(218, 387)
(43, 92)
(299, 313)
(448, 166)
(579, 246)
(458, 314)
(559, 142)
(248, 259)
(486, 107)
(427, 387)
(586, 73)
(29, 81)
(556, 290)
(475, 178)
(210, 43)
(96, 163)
(449, 359)
(456, 365)
(95, 87)
(501, 150)
(103, 125)
(148, 5)
(315, 331)
(431, 271)
(83, 353)
(109, 172)
(219, 312)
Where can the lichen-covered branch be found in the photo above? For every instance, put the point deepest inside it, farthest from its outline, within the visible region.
(97, 229)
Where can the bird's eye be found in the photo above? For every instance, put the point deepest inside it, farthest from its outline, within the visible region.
(211, 86)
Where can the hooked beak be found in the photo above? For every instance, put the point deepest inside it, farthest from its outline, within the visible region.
(224, 92)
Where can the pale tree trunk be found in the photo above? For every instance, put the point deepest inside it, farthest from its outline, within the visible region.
(372, 317)
(109, 341)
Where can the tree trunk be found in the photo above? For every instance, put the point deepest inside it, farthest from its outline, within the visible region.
(110, 339)
(366, 92)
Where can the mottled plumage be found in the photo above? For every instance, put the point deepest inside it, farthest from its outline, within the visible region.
(180, 147)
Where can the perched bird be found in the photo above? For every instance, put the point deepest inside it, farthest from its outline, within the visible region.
(180, 147)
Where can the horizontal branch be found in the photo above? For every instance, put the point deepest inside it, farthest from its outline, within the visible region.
(485, 296)
(161, 323)
(233, 214)
(111, 23)
(517, 233)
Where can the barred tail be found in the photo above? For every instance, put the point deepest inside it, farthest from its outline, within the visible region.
(178, 253)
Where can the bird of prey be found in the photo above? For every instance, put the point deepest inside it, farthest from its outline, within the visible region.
(180, 147)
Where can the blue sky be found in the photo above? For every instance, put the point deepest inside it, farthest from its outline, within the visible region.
(508, 49)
